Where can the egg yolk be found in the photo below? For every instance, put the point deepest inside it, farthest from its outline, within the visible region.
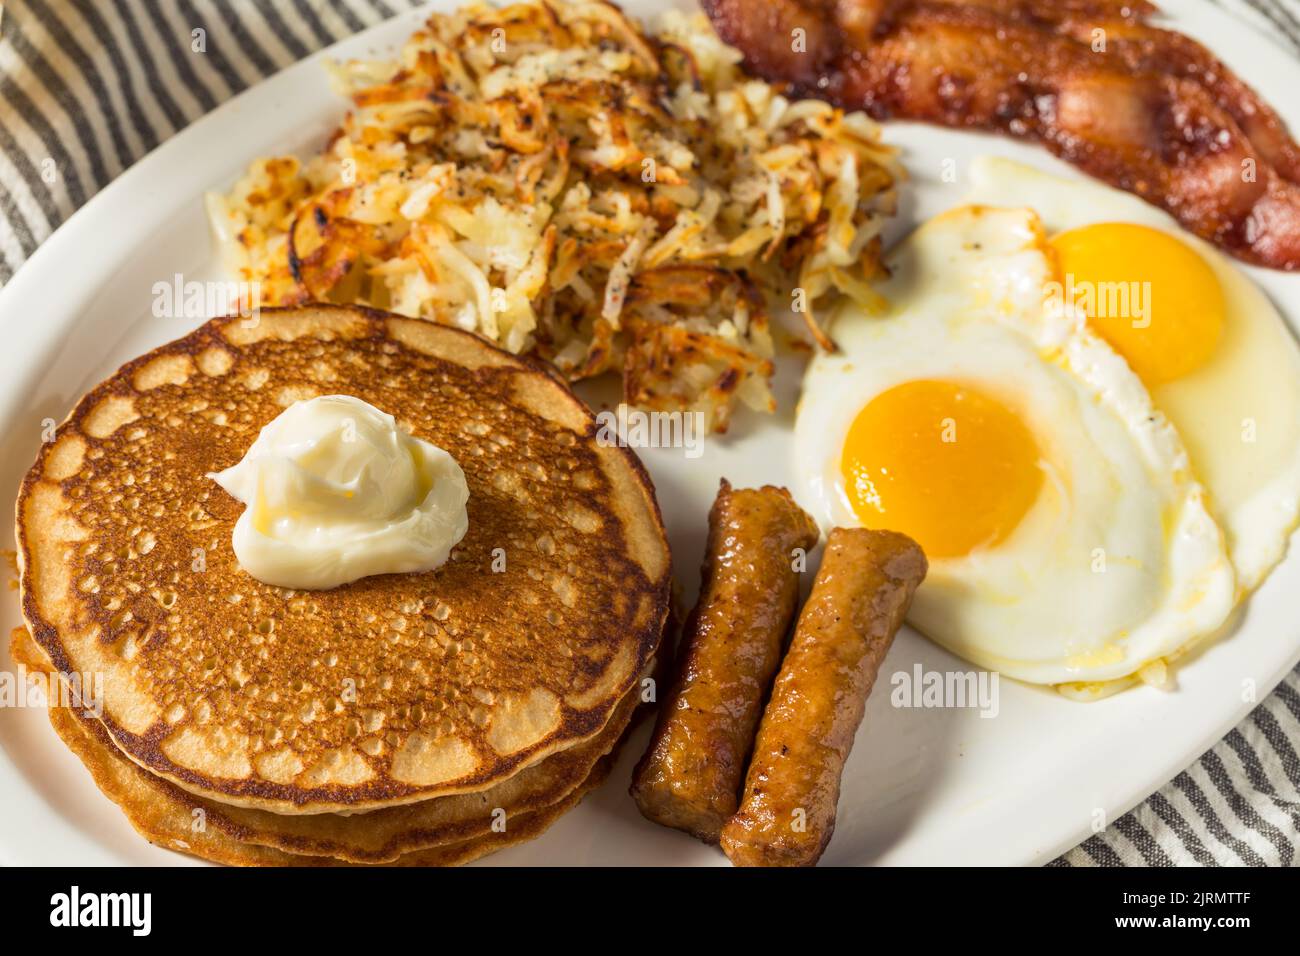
(945, 463)
(1151, 296)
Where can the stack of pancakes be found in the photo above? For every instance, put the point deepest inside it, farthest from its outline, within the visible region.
(415, 719)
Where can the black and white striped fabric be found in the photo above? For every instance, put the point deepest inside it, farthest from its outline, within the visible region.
(87, 87)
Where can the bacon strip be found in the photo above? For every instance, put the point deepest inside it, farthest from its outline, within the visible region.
(1146, 110)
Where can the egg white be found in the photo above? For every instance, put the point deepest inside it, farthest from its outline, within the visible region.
(1118, 563)
(1239, 415)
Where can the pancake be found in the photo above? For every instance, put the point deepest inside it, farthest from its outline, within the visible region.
(161, 813)
(375, 836)
(389, 690)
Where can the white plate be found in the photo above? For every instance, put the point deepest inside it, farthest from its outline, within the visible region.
(922, 786)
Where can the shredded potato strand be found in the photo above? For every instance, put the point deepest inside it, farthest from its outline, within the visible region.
(553, 178)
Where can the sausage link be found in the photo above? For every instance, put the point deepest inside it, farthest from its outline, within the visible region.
(858, 602)
(731, 647)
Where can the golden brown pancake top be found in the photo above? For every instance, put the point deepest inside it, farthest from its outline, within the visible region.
(394, 688)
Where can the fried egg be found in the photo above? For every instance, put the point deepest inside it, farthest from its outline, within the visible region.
(1215, 355)
(1068, 539)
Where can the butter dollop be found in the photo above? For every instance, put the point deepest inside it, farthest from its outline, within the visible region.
(336, 491)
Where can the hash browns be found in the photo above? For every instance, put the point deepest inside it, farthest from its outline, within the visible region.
(554, 178)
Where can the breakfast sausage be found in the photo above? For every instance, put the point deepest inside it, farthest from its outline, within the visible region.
(730, 649)
(858, 601)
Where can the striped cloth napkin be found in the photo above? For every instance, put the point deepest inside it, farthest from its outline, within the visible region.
(87, 88)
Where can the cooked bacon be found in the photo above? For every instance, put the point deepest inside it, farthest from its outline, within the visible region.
(1144, 109)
